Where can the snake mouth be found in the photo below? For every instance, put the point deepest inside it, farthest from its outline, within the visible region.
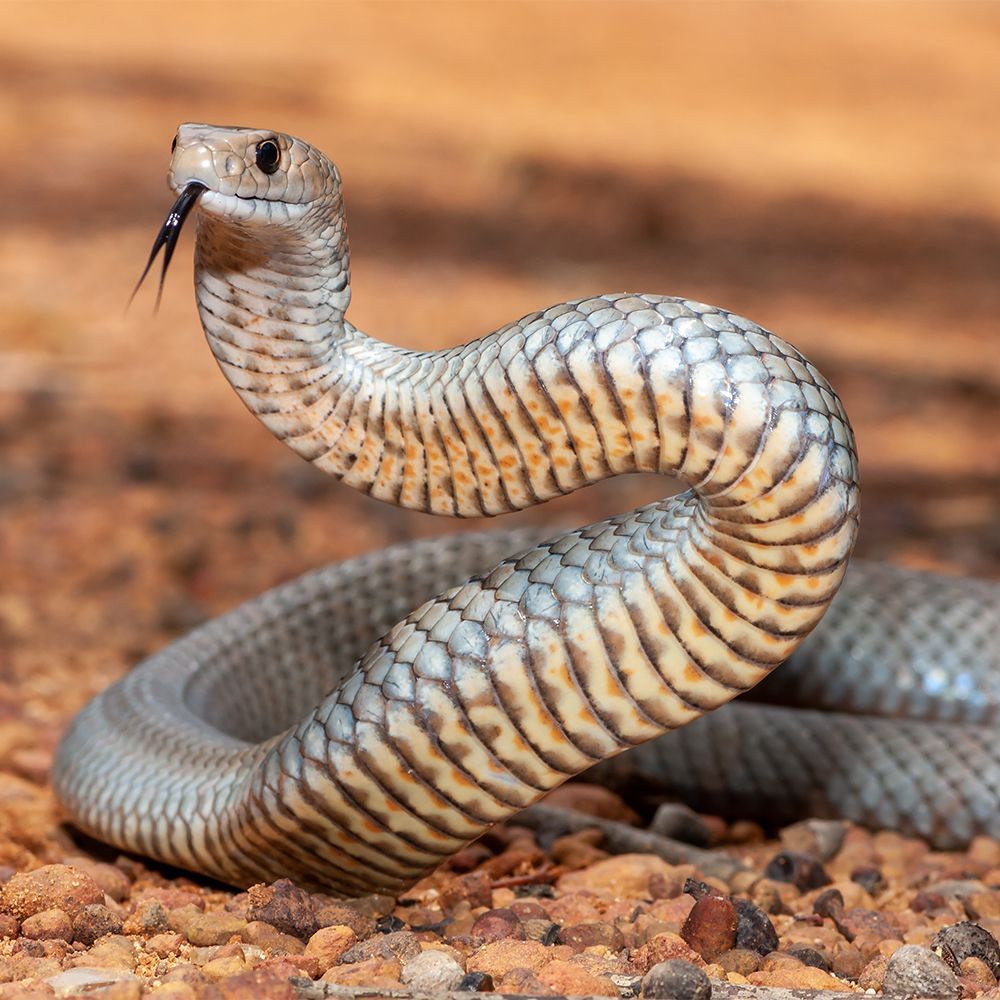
(169, 233)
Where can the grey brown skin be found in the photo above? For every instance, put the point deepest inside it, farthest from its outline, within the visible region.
(355, 727)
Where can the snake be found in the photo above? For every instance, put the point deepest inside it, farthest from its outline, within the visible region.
(355, 727)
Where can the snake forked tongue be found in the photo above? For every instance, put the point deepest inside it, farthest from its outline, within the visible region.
(168, 235)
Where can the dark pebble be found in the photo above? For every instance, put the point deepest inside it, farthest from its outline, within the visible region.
(928, 902)
(676, 980)
(967, 940)
(389, 925)
(696, 890)
(93, 921)
(754, 930)
(829, 904)
(801, 870)
(870, 879)
(284, 906)
(809, 956)
(476, 982)
(678, 822)
(914, 971)
(540, 891)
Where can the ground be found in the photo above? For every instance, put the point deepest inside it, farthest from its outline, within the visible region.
(828, 170)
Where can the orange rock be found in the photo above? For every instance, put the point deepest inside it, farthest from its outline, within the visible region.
(567, 979)
(329, 943)
(799, 976)
(498, 957)
(662, 948)
(710, 928)
(48, 888)
(384, 972)
(625, 876)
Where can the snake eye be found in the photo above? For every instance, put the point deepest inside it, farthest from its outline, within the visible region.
(268, 155)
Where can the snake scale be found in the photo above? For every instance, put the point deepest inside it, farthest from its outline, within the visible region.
(353, 728)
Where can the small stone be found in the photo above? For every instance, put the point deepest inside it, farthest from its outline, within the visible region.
(48, 888)
(95, 921)
(476, 889)
(523, 982)
(476, 982)
(111, 952)
(9, 926)
(581, 936)
(983, 905)
(914, 971)
(498, 957)
(678, 822)
(48, 925)
(401, 945)
(967, 940)
(754, 930)
(566, 979)
(975, 973)
(809, 956)
(338, 915)
(821, 838)
(389, 924)
(254, 984)
(113, 881)
(285, 906)
(270, 938)
(985, 850)
(578, 850)
(663, 948)
(204, 929)
(495, 925)
(226, 965)
(740, 960)
(796, 976)
(847, 963)
(432, 972)
(529, 909)
(170, 897)
(625, 876)
(676, 980)
(89, 980)
(870, 879)
(829, 903)
(149, 917)
(329, 943)
(628, 986)
(710, 928)
(542, 930)
(165, 945)
(801, 870)
(374, 972)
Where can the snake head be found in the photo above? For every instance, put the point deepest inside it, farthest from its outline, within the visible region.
(244, 176)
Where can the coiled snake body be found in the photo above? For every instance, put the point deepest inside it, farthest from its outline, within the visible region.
(330, 732)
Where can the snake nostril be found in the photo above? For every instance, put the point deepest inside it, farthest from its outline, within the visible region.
(233, 164)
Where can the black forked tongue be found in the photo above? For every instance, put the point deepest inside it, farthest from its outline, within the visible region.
(168, 235)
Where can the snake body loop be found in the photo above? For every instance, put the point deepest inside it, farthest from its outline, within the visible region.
(332, 733)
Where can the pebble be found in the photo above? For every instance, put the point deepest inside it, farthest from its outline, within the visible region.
(581, 936)
(49, 924)
(374, 972)
(542, 930)
(914, 971)
(809, 956)
(495, 925)
(676, 980)
(432, 972)
(9, 925)
(663, 948)
(523, 982)
(967, 940)
(801, 870)
(329, 943)
(94, 921)
(265, 936)
(48, 888)
(87, 980)
(710, 927)
(870, 879)
(625, 876)
(204, 929)
(498, 957)
(149, 917)
(566, 979)
(284, 906)
(740, 960)
(111, 952)
(476, 982)
(796, 976)
(754, 930)
(401, 945)
(338, 915)
(113, 881)
(165, 944)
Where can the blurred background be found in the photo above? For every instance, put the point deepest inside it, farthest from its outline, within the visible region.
(831, 170)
